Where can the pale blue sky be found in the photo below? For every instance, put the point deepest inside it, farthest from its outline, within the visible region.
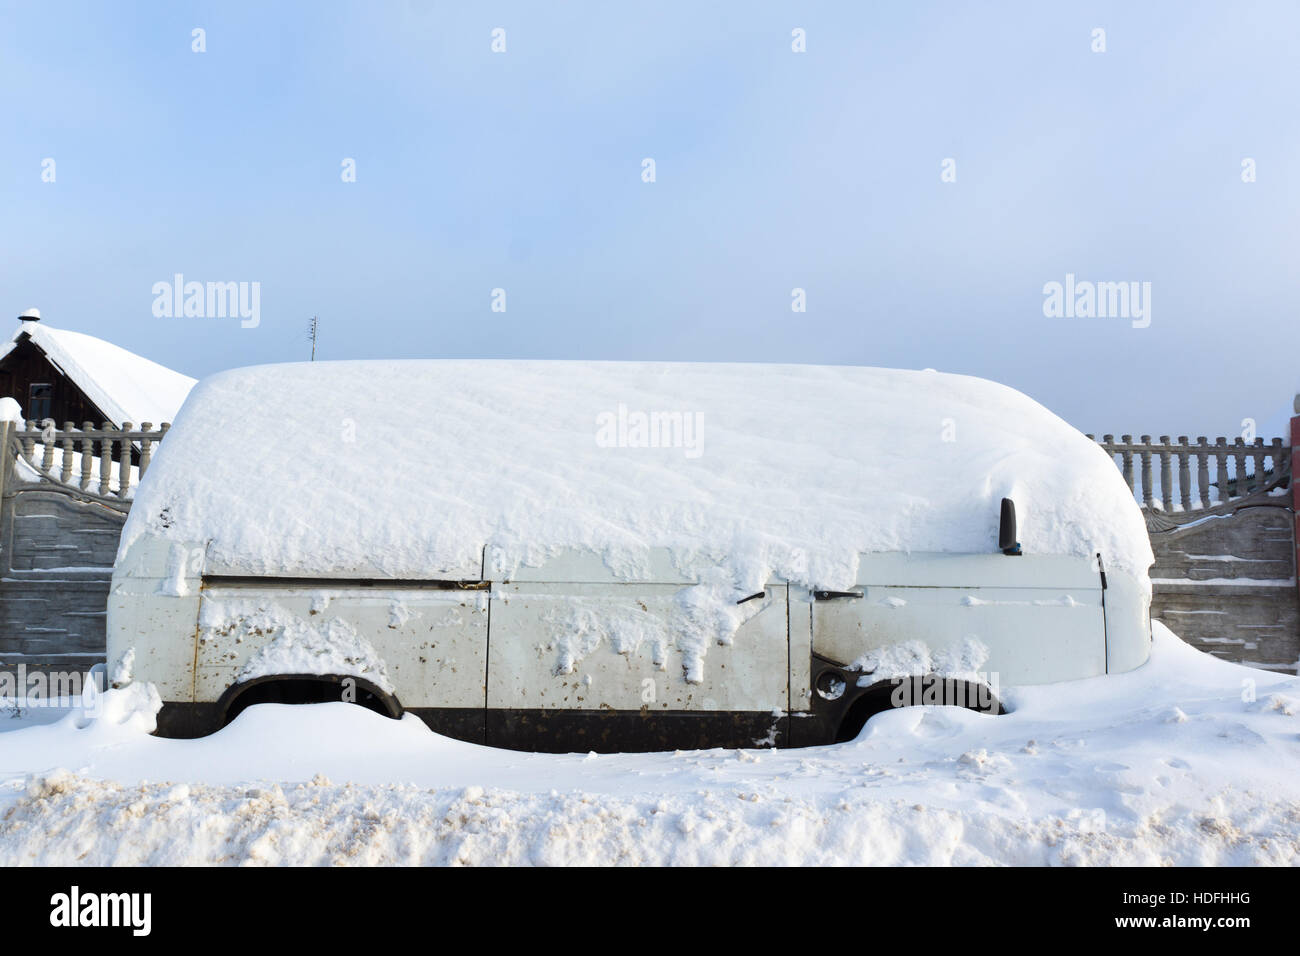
(774, 170)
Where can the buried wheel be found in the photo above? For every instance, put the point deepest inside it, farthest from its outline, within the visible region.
(928, 690)
(305, 689)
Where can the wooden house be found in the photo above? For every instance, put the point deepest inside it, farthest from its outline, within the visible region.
(73, 377)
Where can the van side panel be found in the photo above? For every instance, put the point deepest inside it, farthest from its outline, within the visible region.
(616, 647)
(1018, 620)
(799, 611)
(432, 643)
(153, 610)
(600, 667)
(573, 656)
(1002, 632)
(1128, 623)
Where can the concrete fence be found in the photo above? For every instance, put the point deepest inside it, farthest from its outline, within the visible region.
(64, 496)
(1221, 518)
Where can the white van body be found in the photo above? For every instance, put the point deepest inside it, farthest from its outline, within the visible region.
(591, 620)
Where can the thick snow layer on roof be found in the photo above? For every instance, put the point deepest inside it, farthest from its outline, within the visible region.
(412, 469)
(126, 387)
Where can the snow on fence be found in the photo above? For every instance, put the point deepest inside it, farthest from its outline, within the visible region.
(1182, 476)
(107, 461)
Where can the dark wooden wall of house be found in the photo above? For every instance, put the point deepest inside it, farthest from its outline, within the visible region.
(27, 365)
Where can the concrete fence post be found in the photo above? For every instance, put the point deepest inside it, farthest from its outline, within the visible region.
(6, 459)
(1295, 475)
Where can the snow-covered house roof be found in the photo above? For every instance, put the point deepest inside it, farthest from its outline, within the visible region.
(417, 469)
(124, 386)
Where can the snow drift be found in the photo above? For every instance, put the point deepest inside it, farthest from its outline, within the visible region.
(1186, 761)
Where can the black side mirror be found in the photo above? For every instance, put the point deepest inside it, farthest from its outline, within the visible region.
(1007, 542)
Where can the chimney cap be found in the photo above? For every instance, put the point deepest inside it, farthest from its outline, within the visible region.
(30, 315)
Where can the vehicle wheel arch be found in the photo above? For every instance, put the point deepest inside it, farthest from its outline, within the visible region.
(304, 689)
(914, 691)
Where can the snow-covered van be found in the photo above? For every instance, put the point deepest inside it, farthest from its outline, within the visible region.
(566, 556)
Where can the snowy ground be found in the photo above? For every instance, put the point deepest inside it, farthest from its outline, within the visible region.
(1187, 760)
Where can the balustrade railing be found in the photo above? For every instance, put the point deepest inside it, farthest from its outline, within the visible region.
(106, 461)
(1182, 475)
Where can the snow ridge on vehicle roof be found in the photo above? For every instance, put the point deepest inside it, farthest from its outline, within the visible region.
(415, 469)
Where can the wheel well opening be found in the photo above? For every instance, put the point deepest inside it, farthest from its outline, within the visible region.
(870, 702)
(912, 692)
(307, 689)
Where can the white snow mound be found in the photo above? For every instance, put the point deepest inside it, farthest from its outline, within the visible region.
(1087, 772)
(417, 469)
